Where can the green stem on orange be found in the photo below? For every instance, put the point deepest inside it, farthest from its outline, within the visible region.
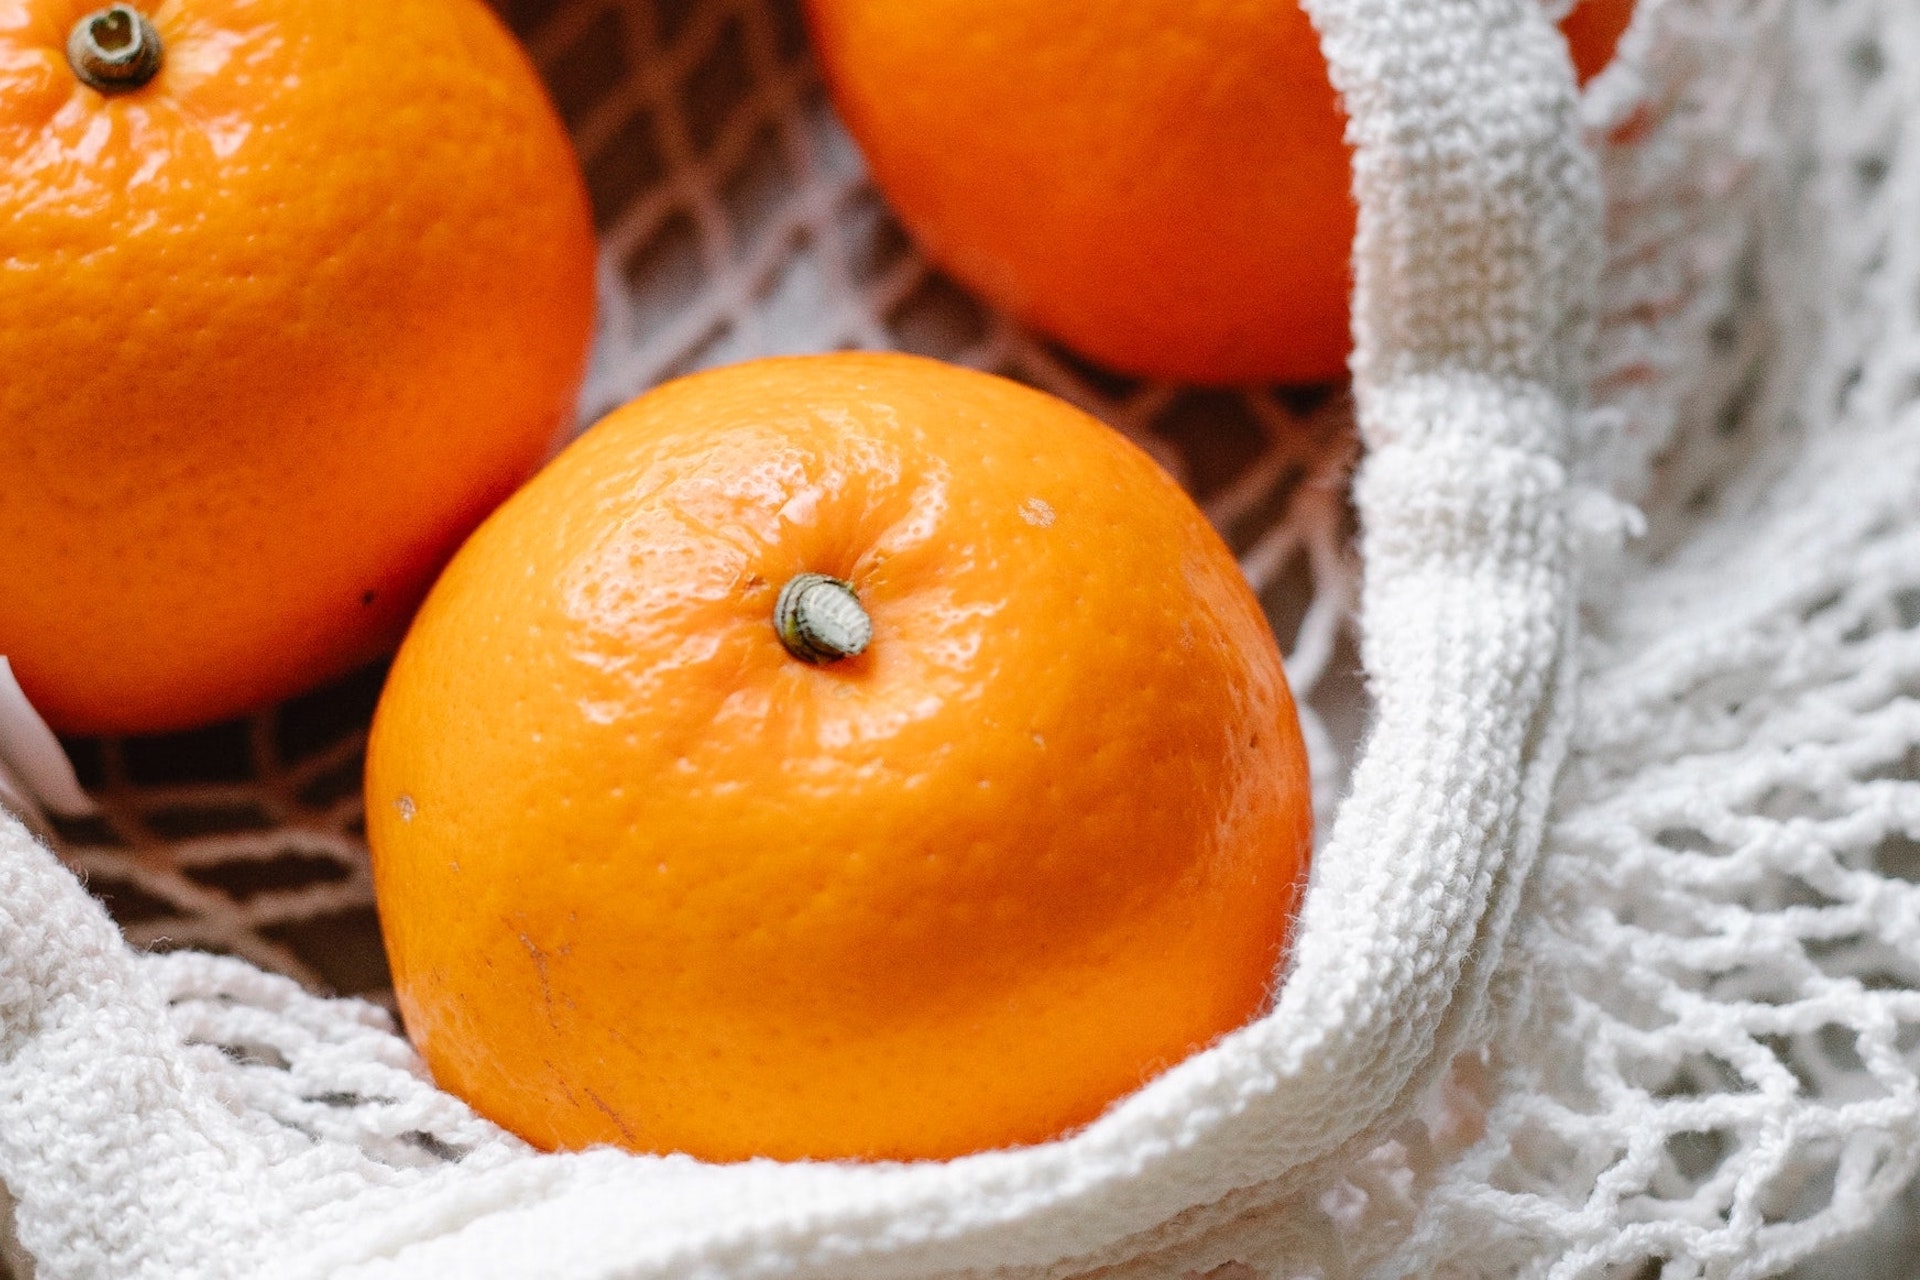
(115, 50)
(819, 619)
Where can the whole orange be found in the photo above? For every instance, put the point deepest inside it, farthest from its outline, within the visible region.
(648, 878)
(283, 322)
(1163, 185)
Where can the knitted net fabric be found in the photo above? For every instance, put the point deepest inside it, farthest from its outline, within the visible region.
(1613, 947)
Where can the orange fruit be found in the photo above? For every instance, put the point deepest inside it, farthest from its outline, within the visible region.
(647, 878)
(1162, 185)
(283, 322)
(1593, 28)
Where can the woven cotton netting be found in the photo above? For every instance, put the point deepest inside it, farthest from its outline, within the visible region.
(1717, 1063)
(1701, 1054)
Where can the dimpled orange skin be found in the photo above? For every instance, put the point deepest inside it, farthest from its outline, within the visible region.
(281, 326)
(1162, 185)
(647, 879)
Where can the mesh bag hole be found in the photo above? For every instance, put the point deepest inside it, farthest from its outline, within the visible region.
(1839, 1048)
(793, 301)
(836, 159)
(1340, 693)
(937, 319)
(1724, 335)
(90, 831)
(1103, 383)
(1898, 855)
(718, 88)
(242, 879)
(341, 1100)
(1785, 1051)
(1889, 977)
(1869, 173)
(590, 68)
(1266, 514)
(1696, 1153)
(220, 753)
(1687, 840)
(1826, 603)
(1772, 981)
(629, 164)
(308, 725)
(665, 270)
(1287, 599)
(1539, 1148)
(186, 821)
(526, 15)
(671, 17)
(1308, 398)
(871, 242)
(128, 903)
(332, 785)
(1849, 384)
(1738, 406)
(1216, 434)
(757, 190)
(703, 352)
(1866, 60)
(343, 947)
(421, 1140)
(1727, 694)
(252, 1055)
(1902, 768)
(1786, 802)
(151, 939)
(89, 757)
(788, 28)
(1697, 1075)
(1802, 1187)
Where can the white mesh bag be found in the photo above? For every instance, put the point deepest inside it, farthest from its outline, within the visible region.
(1610, 964)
